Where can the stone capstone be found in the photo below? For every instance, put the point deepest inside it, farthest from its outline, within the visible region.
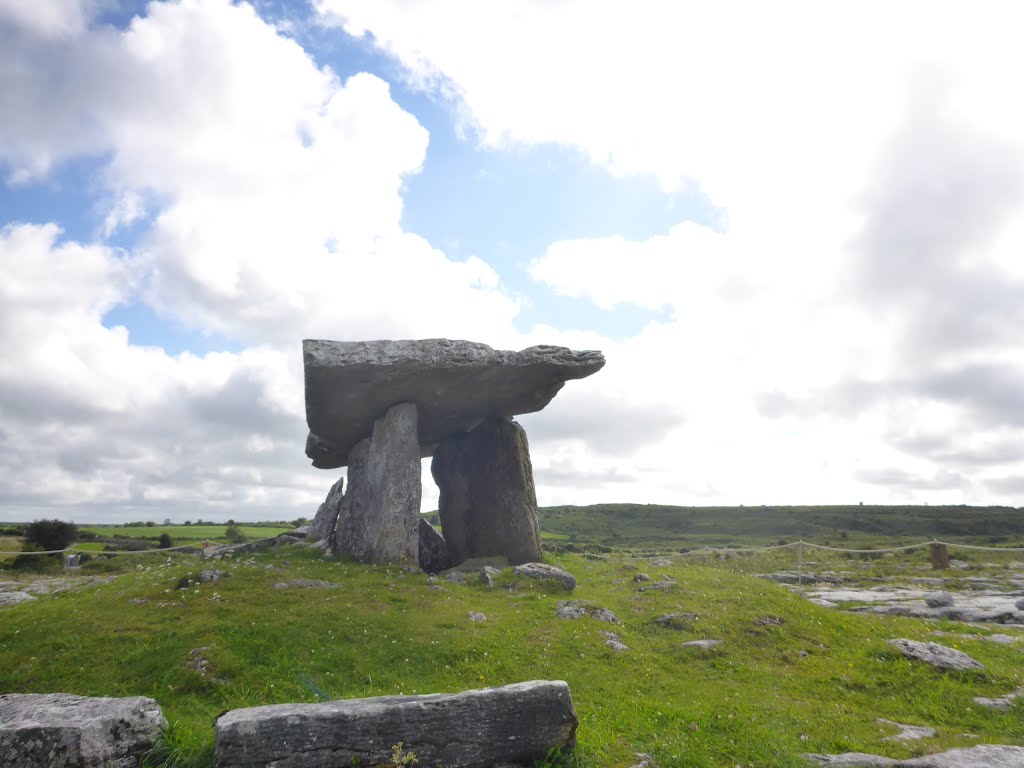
(514, 724)
(487, 504)
(939, 656)
(326, 516)
(454, 384)
(60, 730)
(379, 515)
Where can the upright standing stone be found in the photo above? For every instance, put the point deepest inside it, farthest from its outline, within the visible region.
(326, 516)
(488, 504)
(378, 520)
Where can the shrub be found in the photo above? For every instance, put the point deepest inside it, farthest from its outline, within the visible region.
(166, 542)
(49, 535)
(234, 534)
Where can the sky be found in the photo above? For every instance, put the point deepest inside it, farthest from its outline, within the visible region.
(795, 229)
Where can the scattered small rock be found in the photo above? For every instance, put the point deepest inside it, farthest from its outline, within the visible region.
(938, 599)
(661, 563)
(456, 577)
(640, 577)
(488, 574)
(1002, 703)
(308, 583)
(939, 656)
(613, 641)
(577, 609)
(197, 660)
(680, 621)
(658, 586)
(474, 616)
(907, 732)
(547, 572)
(643, 761)
(770, 621)
(706, 644)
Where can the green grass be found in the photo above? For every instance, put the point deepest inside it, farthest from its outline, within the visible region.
(816, 682)
(182, 534)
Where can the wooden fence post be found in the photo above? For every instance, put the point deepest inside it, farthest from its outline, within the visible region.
(940, 556)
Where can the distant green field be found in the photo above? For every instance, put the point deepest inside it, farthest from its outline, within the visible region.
(663, 526)
(182, 534)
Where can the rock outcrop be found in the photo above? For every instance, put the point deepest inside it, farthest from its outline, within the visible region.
(981, 756)
(379, 515)
(515, 724)
(454, 384)
(434, 556)
(488, 504)
(54, 730)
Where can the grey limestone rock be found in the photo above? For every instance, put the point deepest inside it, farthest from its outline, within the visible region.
(938, 599)
(1019, 605)
(678, 621)
(488, 503)
(613, 641)
(640, 577)
(907, 732)
(455, 385)
(706, 644)
(514, 724)
(577, 609)
(433, 549)
(939, 656)
(379, 518)
(981, 756)
(546, 572)
(1002, 703)
(13, 598)
(326, 516)
(476, 616)
(60, 730)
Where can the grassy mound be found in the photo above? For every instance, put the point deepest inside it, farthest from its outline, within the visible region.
(788, 677)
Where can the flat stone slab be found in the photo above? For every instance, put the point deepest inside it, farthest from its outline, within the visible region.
(454, 384)
(514, 724)
(981, 756)
(14, 598)
(60, 730)
(939, 656)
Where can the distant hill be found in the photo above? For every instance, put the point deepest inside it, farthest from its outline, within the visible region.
(645, 525)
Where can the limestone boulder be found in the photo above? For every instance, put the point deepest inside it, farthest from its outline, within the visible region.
(514, 724)
(326, 516)
(488, 503)
(454, 384)
(60, 730)
(379, 515)
(939, 656)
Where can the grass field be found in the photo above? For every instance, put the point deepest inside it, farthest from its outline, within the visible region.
(182, 534)
(789, 677)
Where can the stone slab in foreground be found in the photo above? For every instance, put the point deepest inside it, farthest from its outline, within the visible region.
(455, 385)
(514, 724)
(981, 756)
(60, 730)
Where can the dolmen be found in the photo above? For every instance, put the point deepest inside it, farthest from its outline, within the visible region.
(379, 407)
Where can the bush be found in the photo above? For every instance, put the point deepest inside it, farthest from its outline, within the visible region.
(37, 563)
(234, 534)
(166, 542)
(50, 535)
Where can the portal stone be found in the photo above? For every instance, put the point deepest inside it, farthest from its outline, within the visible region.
(326, 517)
(488, 503)
(378, 519)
